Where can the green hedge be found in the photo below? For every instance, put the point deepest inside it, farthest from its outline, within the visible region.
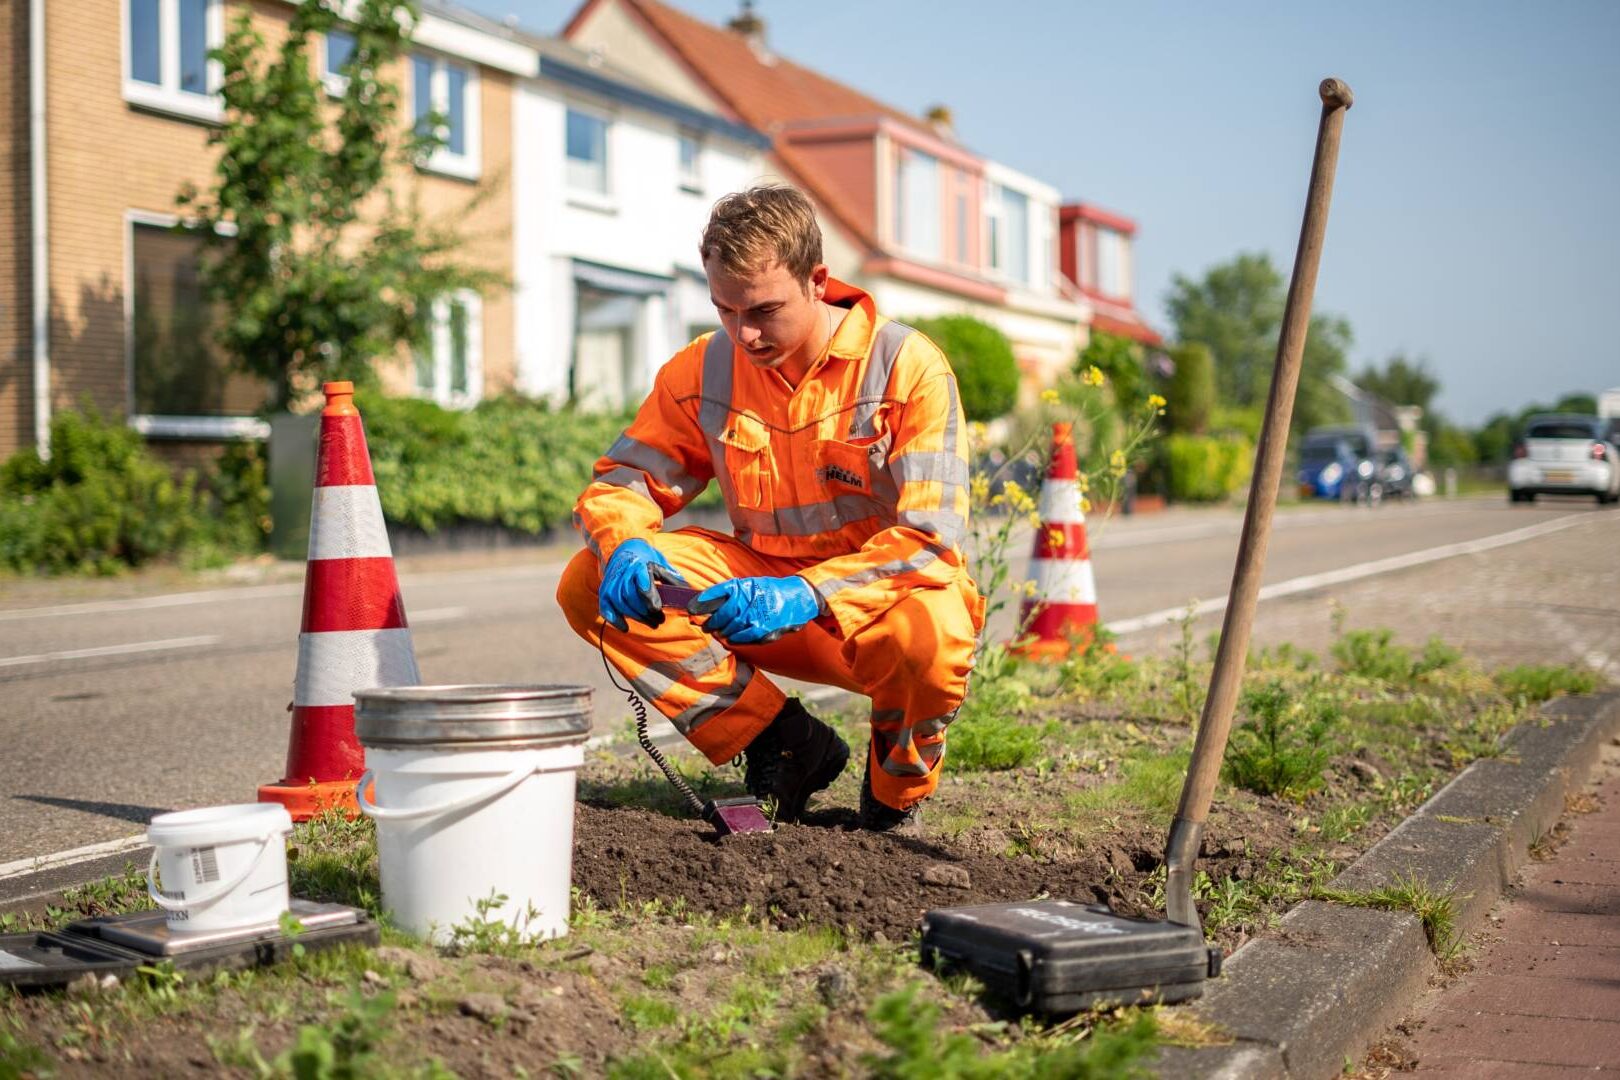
(510, 461)
(1207, 468)
(981, 356)
(104, 502)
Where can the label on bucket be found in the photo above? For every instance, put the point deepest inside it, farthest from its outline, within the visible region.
(204, 865)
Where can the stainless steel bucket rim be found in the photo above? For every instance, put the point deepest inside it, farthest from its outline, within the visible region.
(473, 713)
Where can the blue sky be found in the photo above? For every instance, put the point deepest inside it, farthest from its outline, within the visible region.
(1475, 222)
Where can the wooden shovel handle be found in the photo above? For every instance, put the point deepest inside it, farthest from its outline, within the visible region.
(1227, 678)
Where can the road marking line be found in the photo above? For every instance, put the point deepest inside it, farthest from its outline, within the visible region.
(112, 650)
(58, 859)
(1311, 582)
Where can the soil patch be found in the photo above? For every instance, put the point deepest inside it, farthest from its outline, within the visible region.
(827, 872)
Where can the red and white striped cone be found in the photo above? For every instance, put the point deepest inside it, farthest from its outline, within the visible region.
(354, 635)
(1061, 616)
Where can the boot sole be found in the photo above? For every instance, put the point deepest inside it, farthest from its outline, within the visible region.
(829, 772)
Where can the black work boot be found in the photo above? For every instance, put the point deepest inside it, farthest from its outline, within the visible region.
(792, 759)
(881, 817)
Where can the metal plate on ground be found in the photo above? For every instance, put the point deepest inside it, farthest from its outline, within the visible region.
(149, 931)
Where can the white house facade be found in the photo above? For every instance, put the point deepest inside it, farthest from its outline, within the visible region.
(612, 185)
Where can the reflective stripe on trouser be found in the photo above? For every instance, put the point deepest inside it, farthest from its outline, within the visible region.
(912, 661)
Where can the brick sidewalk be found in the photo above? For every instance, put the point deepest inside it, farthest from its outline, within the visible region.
(1543, 998)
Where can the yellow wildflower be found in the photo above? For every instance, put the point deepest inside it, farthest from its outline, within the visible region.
(1050, 397)
(980, 488)
(1085, 505)
(1029, 588)
(1156, 402)
(1034, 519)
(1083, 482)
(1116, 463)
(1054, 537)
(1093, 376)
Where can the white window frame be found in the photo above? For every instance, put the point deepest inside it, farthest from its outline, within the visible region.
(468, 165)
(907, 216)
(439, 342)
(167, 97)
(589, 197)
(336, 84)
(998, 255)
(690, 180)
(162, 426)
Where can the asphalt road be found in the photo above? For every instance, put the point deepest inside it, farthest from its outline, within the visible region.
(119, 709)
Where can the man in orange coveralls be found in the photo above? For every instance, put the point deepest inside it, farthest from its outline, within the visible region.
(838, 439)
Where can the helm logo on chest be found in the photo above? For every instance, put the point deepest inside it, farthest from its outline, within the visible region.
(829, 473)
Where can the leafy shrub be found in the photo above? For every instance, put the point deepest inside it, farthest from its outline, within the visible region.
(1372, 654)
(1207, 468)
(1192, 389)
(101, 503)
(1284, 746)
(510, 462)
(1531, 683)
(981, 356)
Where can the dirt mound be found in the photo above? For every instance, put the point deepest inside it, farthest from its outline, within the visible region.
(823, 872)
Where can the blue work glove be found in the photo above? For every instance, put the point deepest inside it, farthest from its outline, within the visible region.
(752, 610)
(628, 589)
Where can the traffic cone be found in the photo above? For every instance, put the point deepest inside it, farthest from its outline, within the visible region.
(1061, 616)
(354, 635)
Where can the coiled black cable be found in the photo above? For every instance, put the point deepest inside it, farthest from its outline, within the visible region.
(639, 707)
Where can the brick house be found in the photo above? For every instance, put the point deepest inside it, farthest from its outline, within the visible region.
(1094, 251)
(107, 116)
(907, 211)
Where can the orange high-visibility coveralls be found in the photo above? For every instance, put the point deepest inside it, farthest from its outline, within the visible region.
(857, 481)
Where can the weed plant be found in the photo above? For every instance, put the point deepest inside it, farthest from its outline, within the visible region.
(1436, 909)
(1285, 744)
(1530, 684)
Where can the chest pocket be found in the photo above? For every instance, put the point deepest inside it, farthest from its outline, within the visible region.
(748, 460)
(845, 466)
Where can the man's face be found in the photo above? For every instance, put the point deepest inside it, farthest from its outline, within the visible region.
(768, 312)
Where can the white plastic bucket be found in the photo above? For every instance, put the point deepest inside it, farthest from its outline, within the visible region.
(456, 827)
(222, 867)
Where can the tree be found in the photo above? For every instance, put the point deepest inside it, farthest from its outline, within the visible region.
(981, 356)
(1401, 382)
(1192, 389)
(313, 289)
(1493, 442)
(1236, 310)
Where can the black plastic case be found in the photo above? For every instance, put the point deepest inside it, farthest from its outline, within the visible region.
(1055, 956)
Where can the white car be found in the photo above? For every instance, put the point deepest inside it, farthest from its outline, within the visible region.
(1565, 455)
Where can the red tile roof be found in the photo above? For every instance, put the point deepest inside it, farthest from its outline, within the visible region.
(763, 94)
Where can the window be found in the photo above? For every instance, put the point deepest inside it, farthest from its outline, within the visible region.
(1112, 275)
(962, 227)
(607, 372)
(166, 64)
(916, 204)
(691, 162)
(450, 365)
(1015, 214)
(339, 49)
(177, 368)
(587, 152)
(447, 92)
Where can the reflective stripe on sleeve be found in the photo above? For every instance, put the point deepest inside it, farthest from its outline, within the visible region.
(659, 466)
(875, 383)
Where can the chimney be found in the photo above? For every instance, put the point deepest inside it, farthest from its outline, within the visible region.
(750, 26)
(940, 119)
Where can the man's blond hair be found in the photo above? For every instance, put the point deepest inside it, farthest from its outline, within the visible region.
(750, 230)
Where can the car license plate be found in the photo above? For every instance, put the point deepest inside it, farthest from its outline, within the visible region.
(1559, 476)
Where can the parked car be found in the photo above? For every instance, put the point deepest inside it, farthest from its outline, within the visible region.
(1565, 455)
(1396, 474)
(1337, 463)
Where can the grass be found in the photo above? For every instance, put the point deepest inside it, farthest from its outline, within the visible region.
(1043, 763)
(1436, 909)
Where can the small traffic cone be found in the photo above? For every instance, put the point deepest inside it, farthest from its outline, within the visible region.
(354, 635)
(1061, 616)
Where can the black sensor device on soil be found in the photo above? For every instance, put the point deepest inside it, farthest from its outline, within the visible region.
(729, 817)
(1053, 956)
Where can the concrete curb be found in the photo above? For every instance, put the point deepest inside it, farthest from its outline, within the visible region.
(1301, 1003)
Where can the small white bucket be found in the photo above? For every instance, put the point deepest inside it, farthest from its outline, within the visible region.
(474, 802)
(222, 867)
